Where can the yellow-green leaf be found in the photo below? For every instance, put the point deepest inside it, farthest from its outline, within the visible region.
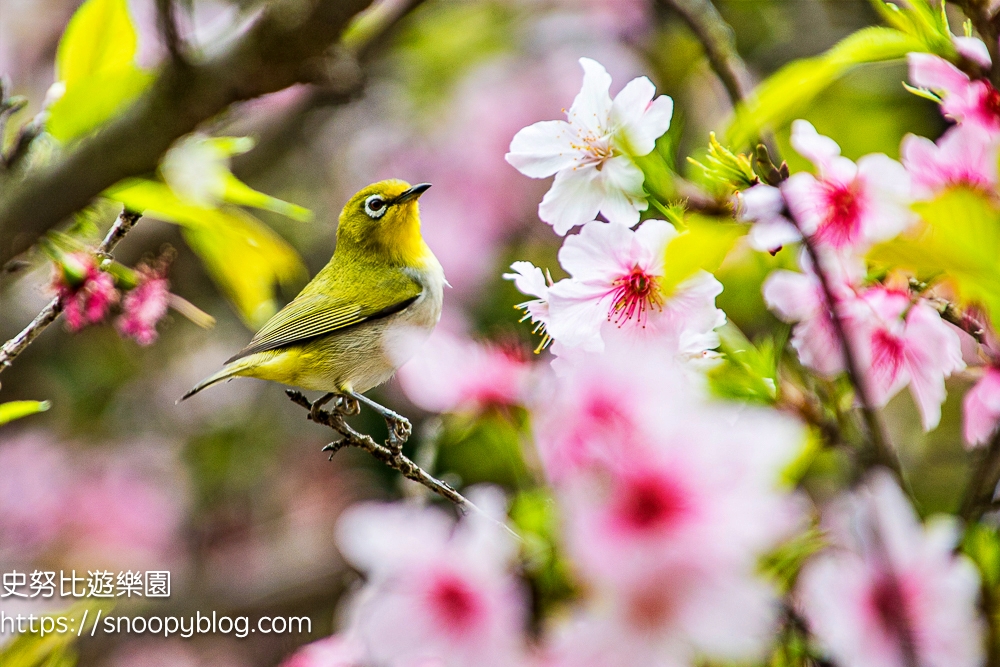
(244, 257)
(785, 94)
(100, 38)
(86, 107)
(17, 409)
(238, 192)
(960, 238)
(702, 246)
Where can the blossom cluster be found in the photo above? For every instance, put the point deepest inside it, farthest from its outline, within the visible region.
(88, 293)
(668, 501)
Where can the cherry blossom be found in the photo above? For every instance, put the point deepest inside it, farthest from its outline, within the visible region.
(764, 205)
(799, 298)
(964, 100)
(591, 153)
(614, 285)
(668, 540)
(891, 592)
(456, 374)
(981, 408)
(87, 293)
(974, 49)
(436, 593)
(846, 205)
(906, 343)
(529, 280)
(964, 156)
(144, 306)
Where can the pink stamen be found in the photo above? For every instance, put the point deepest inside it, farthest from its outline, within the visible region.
(633, 295)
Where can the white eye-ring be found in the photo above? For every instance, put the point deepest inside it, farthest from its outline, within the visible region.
(375, 207)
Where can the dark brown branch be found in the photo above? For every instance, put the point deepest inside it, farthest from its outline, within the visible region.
(280, 49)
(716, 37)
(390, 453)
(51, 312)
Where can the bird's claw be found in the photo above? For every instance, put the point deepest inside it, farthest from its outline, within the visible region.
(399, 432)
(334, 447)
(349, 406)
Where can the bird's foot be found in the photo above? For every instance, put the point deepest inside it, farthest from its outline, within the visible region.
(315, 412)
(399, 426)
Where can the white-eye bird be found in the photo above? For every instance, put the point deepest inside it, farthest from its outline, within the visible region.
(364, 313)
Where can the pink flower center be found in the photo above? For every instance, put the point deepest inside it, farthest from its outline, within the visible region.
(649, 503)
(455, 603)
(843, 217)
(991, 101)
(887, 354)
(633, 295)
(888, 602)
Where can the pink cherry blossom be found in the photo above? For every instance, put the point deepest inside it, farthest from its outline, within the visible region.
(764, 205)
(591, 153)
(457, 374)
(87, 293)
(981, 408)
(891, 592)
(144, 306)
(905, 343)
(846, 205)
(668, 540)
(530, 280)
(964, 156)
(799, 298)
(966, 101)
(437, 593)
(974, 49)
(614, 285)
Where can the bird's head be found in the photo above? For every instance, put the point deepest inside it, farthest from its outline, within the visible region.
(384, 219)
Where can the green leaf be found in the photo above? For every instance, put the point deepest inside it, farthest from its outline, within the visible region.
(959, 238)
(243, 256)
(99, 39)
(238, 192)
(702, 246)
(748, 372)
(785, 94)
(95, 63)
(17, 409)
(53, 649)
(982, 545)
(84, 108)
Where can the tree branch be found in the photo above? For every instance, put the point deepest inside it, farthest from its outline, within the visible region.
(716, 37)
(51, 312)
(390, 453)
(283, 47)
(983, 482)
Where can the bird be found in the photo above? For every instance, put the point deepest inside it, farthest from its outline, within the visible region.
(363, 315)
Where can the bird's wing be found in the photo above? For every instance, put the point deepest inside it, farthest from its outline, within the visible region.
(314, 315)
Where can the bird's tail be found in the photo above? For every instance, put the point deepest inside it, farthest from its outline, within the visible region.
(226, 373)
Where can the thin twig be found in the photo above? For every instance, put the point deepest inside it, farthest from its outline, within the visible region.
(50, 313)
(876, 434)
(390, 453)
(716, 37)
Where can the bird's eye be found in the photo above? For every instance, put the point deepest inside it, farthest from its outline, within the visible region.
(375, 207)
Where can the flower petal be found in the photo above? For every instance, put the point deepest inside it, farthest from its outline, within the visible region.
(574, 198)
(592, 107)
(813, 146)
(542, 149)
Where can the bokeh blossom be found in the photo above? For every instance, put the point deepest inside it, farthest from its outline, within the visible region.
(764, 206)
(964, 156)
(890, 592)
(981, 408)
(591, 152)
(964, 100)
(436, 593)
(87, 293)
(144, 306)
(455, 374)
(846, 204)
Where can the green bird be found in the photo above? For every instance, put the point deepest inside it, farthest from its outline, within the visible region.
(365, 312)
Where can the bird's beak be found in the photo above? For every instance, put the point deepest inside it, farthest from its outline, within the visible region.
(412, 193)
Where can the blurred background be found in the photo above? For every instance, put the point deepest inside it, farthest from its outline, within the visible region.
(229, 491)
